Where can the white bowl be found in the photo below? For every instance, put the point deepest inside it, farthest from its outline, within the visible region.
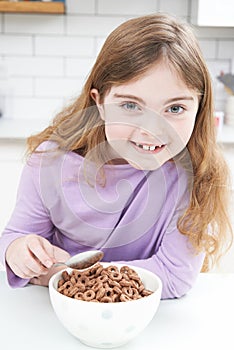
(107, 325)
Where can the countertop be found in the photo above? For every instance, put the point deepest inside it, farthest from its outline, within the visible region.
(23, 128)
(203, 319)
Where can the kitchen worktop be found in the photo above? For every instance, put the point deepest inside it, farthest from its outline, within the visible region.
(200, 320)
(22, 128)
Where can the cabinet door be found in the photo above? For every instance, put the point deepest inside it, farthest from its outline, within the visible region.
(213, 13)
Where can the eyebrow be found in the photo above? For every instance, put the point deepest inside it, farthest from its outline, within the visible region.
(170, 100)
(130, 97)
(180, 98)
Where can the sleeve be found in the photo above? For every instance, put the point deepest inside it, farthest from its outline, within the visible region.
(175, 263)
(175, 260)
(29, 216)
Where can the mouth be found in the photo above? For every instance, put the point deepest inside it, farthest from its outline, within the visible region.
(145, 148)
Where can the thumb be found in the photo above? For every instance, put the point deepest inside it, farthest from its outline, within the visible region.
(60, 254)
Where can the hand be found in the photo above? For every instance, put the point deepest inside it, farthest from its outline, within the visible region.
(43, 280)
(33, 256)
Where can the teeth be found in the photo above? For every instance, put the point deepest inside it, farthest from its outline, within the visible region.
(147, 148)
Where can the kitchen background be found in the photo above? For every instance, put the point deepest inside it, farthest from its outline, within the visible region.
(45, 58)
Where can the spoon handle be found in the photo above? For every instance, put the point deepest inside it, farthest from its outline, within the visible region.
(59, 263)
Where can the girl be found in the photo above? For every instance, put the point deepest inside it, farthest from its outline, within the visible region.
(131, 167)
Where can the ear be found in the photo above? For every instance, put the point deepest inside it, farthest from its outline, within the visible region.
(94, 93)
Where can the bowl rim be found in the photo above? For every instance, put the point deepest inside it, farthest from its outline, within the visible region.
(158, 290)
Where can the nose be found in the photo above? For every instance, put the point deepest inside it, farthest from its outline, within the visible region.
(152, 125)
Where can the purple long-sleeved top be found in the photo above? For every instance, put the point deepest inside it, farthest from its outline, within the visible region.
(132, 218)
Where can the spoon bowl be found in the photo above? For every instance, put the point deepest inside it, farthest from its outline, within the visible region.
(83, 260)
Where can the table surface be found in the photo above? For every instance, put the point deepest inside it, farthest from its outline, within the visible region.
(203, 319)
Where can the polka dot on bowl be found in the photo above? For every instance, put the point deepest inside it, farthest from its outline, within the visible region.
(107, 314)
(106, 345)
(81, 327)
(130, 329)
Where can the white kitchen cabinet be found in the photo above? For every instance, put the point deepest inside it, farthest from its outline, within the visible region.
(212, 13)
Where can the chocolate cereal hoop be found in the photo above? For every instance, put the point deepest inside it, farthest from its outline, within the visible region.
(105, 285)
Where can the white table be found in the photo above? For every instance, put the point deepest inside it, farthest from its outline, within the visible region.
(203, 319)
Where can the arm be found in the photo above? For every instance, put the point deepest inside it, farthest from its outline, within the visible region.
(176, 264)
(173, 258)
(20, 249)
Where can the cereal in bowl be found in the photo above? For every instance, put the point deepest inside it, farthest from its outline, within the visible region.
(106, 285)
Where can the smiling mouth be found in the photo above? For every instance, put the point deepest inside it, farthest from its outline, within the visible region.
(148, 148)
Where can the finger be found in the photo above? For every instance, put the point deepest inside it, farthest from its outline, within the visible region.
(35, 280)
(34, 264)
(39, 281)
(17, 270)
(49, 248)
(60, 254)
(22, 272)
(44, 280)
(42, 251)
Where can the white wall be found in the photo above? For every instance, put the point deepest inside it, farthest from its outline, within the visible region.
(11, 164)
(47, 57)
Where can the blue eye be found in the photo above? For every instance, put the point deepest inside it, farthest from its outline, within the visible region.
(130, 106)
(176, 109)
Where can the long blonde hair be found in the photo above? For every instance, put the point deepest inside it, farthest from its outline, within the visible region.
(128, 52)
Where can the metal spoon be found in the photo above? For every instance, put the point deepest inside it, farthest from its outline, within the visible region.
(83, 260)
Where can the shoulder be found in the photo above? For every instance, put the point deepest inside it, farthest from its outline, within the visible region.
(48, 153)
(47, 146)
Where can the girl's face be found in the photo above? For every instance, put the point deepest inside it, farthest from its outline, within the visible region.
(149, 120)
